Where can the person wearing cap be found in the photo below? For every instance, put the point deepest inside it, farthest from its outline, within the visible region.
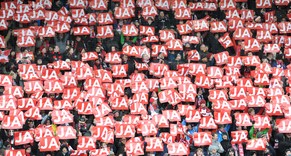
(213, 151)
(204, 111)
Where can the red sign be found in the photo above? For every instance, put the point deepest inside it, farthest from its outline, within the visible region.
(86, 143)
(105, 31)
(82, 30)
(23, 137)
(202, 139)
(154, 144)
(129, 30)
(256, 144)
(225, 41)
(239, 137)
(18, 152)
(177, 149)
(66, 132)
(49, 144)
(124, 130)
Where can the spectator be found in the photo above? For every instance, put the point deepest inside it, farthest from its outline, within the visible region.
(111, 42)
(213, 151)
(121, 147)
(278, 63)
(28, 151)
(171, 56)
(230, 152)
(129, 62)
(178, 60)
(149, 22)
(91, 43)
(79, 44)
(203, 53)
(64, 151)
(216, 148)
(161, 59)
(56, 54)
(199, 152)
(61, 41)
(163, 21)
(204, 111)
(153, 107)
(101, 52)
(225, 143)
(285, 144)
(45, 56)
(71, 54)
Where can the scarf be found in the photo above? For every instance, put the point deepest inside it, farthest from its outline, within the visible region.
(240, 150)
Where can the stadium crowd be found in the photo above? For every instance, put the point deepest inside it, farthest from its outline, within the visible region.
(145, 77)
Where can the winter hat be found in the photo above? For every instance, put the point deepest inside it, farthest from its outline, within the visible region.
(202, 102)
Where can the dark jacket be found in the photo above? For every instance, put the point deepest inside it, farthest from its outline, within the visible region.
(226, 145)
(284, 144)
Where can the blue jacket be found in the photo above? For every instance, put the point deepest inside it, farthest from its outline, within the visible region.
(219, 133)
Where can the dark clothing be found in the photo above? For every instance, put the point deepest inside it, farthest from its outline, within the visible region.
(61, 42)
(226, 145)
(56, 56)
(72, 57)
(120, 149)
(61, 154)
(284, 145)
(79, 46)
(131, 67)
(152, 24)
(173, 65)
(163, 22)
(213, 44)
(219, 14)
(46, 58)
(108, 43)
